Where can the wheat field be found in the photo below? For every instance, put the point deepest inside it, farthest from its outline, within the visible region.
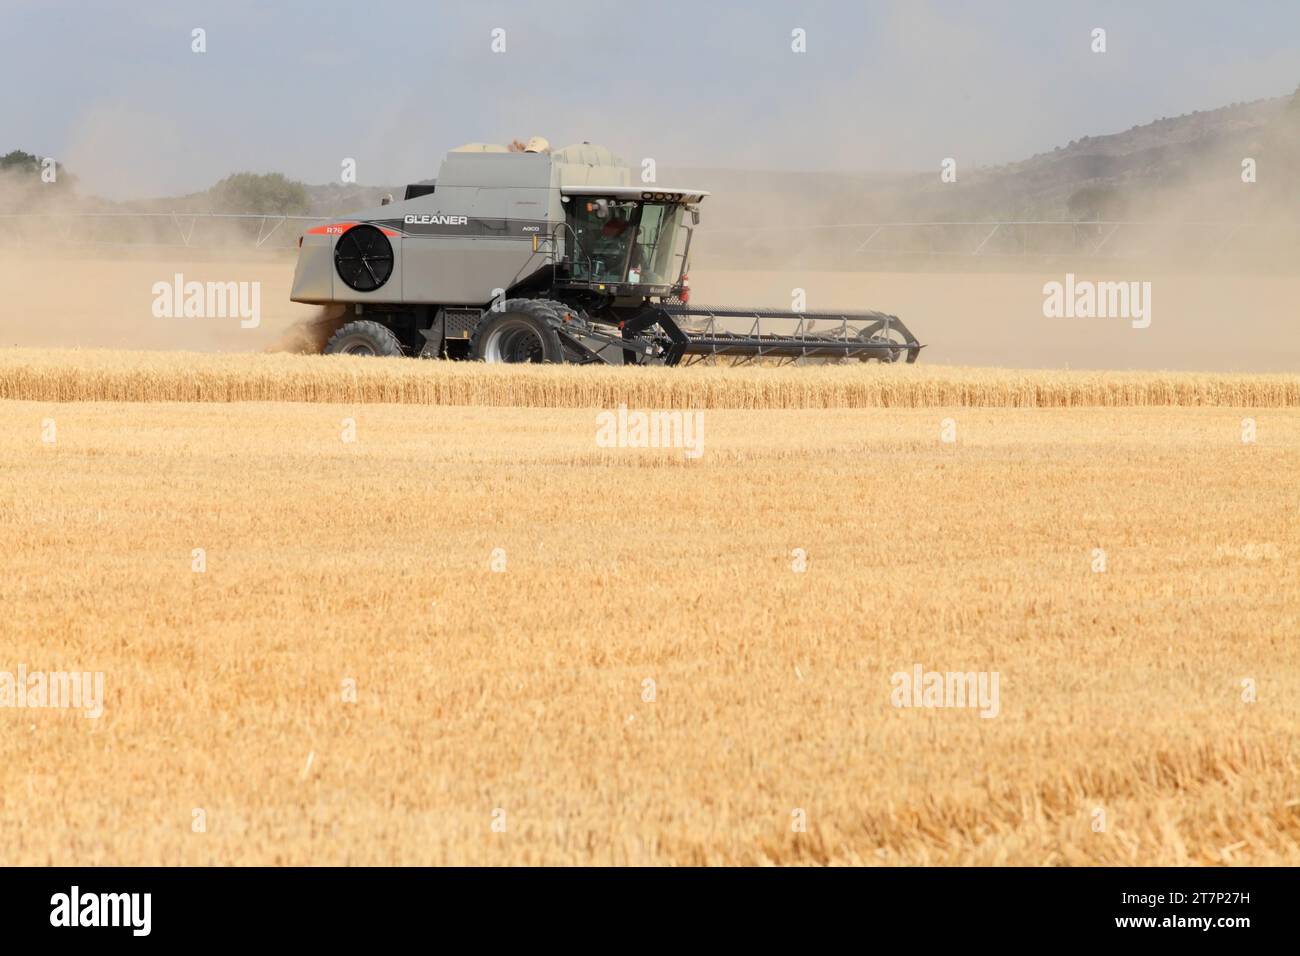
(435, 642)
(65, 375)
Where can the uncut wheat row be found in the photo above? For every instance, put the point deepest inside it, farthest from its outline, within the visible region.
(66, 375)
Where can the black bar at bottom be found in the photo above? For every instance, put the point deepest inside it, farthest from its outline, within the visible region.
(333, 907)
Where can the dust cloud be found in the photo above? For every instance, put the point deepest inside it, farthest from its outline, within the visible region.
(102, 299)
(310, 335)
(1199, 321)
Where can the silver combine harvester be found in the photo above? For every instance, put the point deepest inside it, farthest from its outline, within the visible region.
(541, 256)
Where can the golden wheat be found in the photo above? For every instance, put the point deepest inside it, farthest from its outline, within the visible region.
(68, 375)
(524, 691)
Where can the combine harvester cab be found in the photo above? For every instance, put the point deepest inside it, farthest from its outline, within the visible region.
(540, 256)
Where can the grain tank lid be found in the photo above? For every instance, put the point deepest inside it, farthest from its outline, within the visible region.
(648, 193)
(585, 154)
(585, 164)
(481, 148)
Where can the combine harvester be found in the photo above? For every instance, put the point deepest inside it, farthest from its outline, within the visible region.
(540, 256)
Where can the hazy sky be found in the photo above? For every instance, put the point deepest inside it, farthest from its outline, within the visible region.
(113, 90)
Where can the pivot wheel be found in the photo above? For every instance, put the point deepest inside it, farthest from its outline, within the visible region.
(363, 338)
(895, 333)
(363, 257)
(518, 335)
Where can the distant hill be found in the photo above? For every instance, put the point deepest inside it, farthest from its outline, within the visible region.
(1180, 167)
(1174, 167)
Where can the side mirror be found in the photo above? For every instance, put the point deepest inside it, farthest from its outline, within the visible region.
(602, 209)
(695, 216)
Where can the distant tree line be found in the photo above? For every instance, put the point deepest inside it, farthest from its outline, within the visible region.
(28, 179)
(263, 193)
(30, 167)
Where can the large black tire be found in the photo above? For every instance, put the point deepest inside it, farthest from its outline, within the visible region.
(521, 332)
(363, 338)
